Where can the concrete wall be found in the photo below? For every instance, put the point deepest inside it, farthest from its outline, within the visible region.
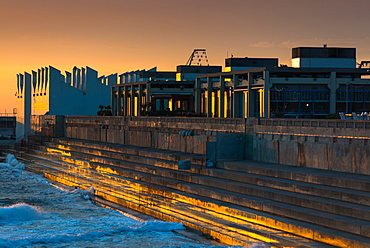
(338, 145)
(348, 128)
(177, 134)
(325, 144)
(24, 93)
(48, 125)
(329, 153)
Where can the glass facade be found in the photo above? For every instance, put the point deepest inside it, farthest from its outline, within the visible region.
(353, 98)
(299, 101)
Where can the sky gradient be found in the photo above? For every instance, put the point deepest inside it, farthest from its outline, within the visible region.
(115, 36)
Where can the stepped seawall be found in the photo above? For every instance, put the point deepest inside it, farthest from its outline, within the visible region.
(233, 199)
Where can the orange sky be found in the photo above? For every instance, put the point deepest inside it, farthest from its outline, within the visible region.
(122, 35)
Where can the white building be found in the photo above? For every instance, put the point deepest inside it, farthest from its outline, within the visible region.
(48, 91)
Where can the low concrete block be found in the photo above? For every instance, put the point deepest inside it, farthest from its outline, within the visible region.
(184, 165)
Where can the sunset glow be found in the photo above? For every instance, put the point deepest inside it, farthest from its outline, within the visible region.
(115, 36)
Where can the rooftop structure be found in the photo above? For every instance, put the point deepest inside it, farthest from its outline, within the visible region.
(323, 57)
(198, 57)
(234, 64)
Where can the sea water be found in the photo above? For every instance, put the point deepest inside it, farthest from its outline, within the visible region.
(34, 213)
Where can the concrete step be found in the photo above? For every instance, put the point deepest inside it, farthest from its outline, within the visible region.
(329, 192)
(282, 209)
(113, 187)
(71, 150)
(229, 222)
(303, 174)
(298, 199)
(198, 159)
(353, 196)
(217, 233)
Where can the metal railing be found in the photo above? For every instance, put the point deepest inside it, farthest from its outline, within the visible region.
(316, 123)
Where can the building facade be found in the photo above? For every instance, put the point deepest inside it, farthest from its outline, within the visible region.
(149, 92)
(48, 91)
(310, 90)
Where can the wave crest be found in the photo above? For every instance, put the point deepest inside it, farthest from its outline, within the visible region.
(20, 211)
(158, 226)
(12, 163)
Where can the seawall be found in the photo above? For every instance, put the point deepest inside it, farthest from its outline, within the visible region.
(339, 145)
(139, 163)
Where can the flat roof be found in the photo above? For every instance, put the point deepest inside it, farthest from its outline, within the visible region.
(156, 82)
(359, 71)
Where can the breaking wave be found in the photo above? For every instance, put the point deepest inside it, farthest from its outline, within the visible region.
(71, 231)
(20, 211)
(12, 163)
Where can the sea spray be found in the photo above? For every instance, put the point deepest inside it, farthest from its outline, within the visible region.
(13, 162)
(20, 211)
(85, 194)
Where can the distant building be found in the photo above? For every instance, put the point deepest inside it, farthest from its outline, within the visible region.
(146, 75)
(48, 91)
(322, 81)
(145, 91)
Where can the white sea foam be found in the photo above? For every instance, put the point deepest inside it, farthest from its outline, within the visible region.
(13, 162)
(85, 194)
(259, 245)
(20, 211)
(158, 226)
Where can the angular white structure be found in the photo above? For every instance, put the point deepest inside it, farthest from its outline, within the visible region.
(48, 91)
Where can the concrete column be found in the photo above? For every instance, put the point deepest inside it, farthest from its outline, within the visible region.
(251, 98)
(266, 94)
(42, 84)
(221, 112)
(78, 83)
(230, 99)
(235, 111)
(333, 86)
(119, 100)
(236, 104)
(148, 95)
(209, 100)
(113, 100)
(38, 81)
(139, 102)
(24, 105)
(132, 100)
(197, 92)
(125, 101)
(27, 96)
(46, 79)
